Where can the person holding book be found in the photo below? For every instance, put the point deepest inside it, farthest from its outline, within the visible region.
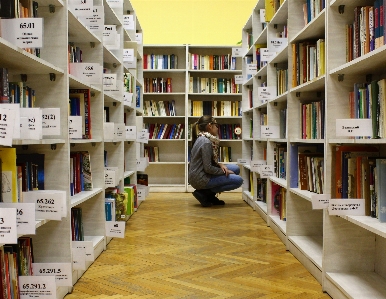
(206, 174)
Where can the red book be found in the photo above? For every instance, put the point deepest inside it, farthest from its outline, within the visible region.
(169, 85)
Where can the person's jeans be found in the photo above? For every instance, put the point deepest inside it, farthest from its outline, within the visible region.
(221, 183)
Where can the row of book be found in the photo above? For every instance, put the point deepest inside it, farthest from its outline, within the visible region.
(308, 61)
(312, 115)
(215, 108)
(366, 33)
(281, 81)
(311, 9)
(368, 100)
(224, 153)
(152, 153)
(271, 7)
(80, 172)
(157, 85)
(310, 171)
(279, 200)
(261, 189)
(80, 105)
(129, 83)
(159, 108)
(13, 9)
(280, 160)
(160, 61)
(74, 53)
(225, 131)
(213, 85)
(211, 62)
(15, 92)
(15, 260)
(120, 205)
(165, 131)
(77, 231)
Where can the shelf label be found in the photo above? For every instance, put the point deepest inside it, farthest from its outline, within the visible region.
(320, 201)
(142, 191)
(31, 123)
(48, 203)
(131, 132)
(129, 59)
(239, 79)
(243, 161)
(115, 229)
(51, 121)
(115, 3)
(7, 126)
(88, 248)
(262, 15)
(109, 82)
(110, 180)
(109, 35)
(143, 137)
(89, 73)
(25, 217)
(237, 52)
(255, 165)
(16, 122)
(119, 130)
(39, 287)
(277, 44)
(8, 226)
(75, 126)
(266, 171)
(266, 93)
(23, 32)
(270, 131)
(138, 38)
(96, 21)
(354, 127)
(81, 7)
(346, 206)
(128, 98)
(78, 258)
(128, 22)
(142, 163)
(266, 55)
(251, 68)
(61, 271)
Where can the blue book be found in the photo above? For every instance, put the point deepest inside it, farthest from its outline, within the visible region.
(381, 188)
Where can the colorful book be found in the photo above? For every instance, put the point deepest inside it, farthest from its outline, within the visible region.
(80, 104)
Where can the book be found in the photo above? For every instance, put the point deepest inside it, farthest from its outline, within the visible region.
(8, 174)
(80, 104)
(381, 189)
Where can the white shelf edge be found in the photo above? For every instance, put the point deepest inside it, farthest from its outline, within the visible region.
(310, 246)
(83, 196)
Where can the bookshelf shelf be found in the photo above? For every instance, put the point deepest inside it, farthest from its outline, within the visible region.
(279, 181)
(310, 246)
(78, 33)
(83, 196)
(313, 29)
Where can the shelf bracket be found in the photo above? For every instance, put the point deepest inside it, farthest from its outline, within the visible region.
(92, 44)
(340, 77)
(259, 77)
(128, 142)
(23, 77)
(275, 64)
(318, 94)
(275, 104)
(24, 147)
(51, 8)
(128, 12)
(297, 94)
(115, 65)
(114, 143)
(114, 104)
(275, 26)
(369, 78)
(72, 144)
(92, 93)
(341, 9)
(52, 77)
(53, 147)
(93, 144)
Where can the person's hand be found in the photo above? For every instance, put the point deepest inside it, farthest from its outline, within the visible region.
(225, 170)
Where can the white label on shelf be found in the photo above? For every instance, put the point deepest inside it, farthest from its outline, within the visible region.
(266, 93)
(237, 52)
(276, 44)
(143, 137)
(128, 99)
(131, 132)
(128, 22)
(239, 79)
(110, 180)
(7, 126)
(23, 32)
(262, 15)
(88, 248)
(61, 271)
(346, 206)
(81, 7)
(109, 34)
(78, 258)
(138, 38)
(115, 3)
(266, 171)
(320, 201)
(116, 170)
(8, 226)
(87, 72)
(255, 165)
(119, 131)
(109, 81)
(39, 287)
(25, 217)
(128, 55)
(251, 68)
(75, 126)
(31, 123)
(142, 192)
(354, 127)
(107, 129)
(96, 21)
(51, 121)
(48, 203)
(115, 229)
(270, 131)
(266, 55)
(243, 161)
(16, 122)
(142, 163)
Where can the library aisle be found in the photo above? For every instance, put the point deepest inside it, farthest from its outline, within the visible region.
(174, 248)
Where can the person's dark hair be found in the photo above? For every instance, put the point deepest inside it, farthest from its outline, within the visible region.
(200, 126)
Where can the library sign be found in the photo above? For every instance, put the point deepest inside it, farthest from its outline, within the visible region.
(23, 32)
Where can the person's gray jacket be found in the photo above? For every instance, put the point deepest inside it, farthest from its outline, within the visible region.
(201, 163)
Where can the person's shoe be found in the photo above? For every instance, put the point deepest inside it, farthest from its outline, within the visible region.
(213, 198)
(202, 198)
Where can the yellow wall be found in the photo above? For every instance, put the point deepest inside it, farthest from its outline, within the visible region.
(198, 22)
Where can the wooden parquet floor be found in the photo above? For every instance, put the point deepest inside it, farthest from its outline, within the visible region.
(174, 248)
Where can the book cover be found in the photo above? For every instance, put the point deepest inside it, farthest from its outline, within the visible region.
(83, 108)
(381, 189)
(8, 174)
